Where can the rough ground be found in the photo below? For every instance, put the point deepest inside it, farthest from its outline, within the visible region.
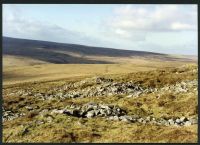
(151, 106)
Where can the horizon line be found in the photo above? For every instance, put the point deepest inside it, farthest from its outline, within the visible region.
(196, 55)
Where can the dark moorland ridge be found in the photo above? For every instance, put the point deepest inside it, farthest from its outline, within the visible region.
(59, 53)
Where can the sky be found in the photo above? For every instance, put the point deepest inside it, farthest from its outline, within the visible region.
(170, 29)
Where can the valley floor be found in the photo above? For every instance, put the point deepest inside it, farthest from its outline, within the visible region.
(20, 73)
(104, 103)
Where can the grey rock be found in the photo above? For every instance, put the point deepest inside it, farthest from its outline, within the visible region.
(22, 114)
(108, 112)
(188, 123)
(125, 118)
(90, 114)
(110, 118)
(104, 106)
(96, 112)
(68, 111)
(148, 118)
(178, 121)
(129, 96)
(55, 111)
(49, 119)
(182, 119)
(111, 106)
(102, 112)
(144, 121)
(115, 118)
(44, 111)
(162, 121)
(39, 122)
(29, 108)
(171, 121)
(140, 120)
(76, 95)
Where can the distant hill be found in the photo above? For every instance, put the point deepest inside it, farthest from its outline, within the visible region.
(61, 53)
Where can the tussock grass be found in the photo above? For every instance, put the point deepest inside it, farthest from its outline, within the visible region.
(68, 129)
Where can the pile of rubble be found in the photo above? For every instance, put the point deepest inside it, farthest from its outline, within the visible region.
(99, 86)
(9, 115)
(181, 87)
(91, 110)
(102, 87)
(112, 112)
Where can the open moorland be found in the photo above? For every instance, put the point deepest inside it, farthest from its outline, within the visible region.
(77, 95)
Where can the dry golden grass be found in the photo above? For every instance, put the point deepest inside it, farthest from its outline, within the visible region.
(49, 72)
(68, 129)
(12, 61)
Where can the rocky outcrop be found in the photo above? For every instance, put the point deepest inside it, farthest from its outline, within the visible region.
(10, 115)
(107, 87)
(92, 110)
(98, 86)
(181, 87)
(112, 112)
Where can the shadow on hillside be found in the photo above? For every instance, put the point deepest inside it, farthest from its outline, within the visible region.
(12, 75)
(29, 48)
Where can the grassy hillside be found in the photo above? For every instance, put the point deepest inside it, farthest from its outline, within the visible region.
(37, 52)
(174, 95)
(46, 72)
(67, 93)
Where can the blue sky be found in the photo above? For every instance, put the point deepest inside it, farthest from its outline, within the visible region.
(168, 29)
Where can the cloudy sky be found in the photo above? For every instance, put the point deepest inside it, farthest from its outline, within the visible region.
(168, 29)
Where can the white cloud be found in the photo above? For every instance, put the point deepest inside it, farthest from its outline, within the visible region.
(15, 25)
(181, 26)
(18, 26)
(129, 19)
(129, 27)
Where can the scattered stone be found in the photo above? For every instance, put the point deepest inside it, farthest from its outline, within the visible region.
(55, 111)
(178, 121)
(171, 121)
(140, 120)
(49, 119)
(90, 114)
(188, 123)
(129, 96)
(29, 108)
(106, 87)
(115, 118)
(39, 122)
(182, 119)
(148, 118)
(126, 118)
(9, 115)
(90, 110)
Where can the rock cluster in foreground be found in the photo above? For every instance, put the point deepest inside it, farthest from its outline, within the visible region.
(115, 113)
(9, 115)
(107, 87)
